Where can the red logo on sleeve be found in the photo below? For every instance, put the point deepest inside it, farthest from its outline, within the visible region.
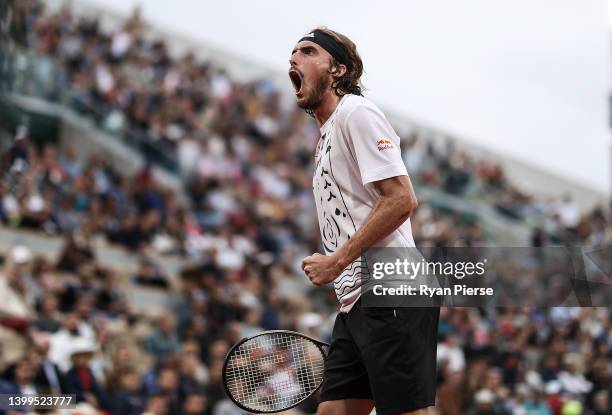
(383, 144)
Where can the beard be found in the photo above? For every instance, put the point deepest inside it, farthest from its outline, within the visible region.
(316, 93)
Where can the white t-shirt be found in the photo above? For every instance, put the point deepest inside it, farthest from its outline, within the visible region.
(357, 147)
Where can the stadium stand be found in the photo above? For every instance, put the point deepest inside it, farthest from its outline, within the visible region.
(127, 290)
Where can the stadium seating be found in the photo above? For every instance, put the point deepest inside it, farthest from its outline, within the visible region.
(154, 279)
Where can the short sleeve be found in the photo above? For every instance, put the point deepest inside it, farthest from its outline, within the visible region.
(376, 146)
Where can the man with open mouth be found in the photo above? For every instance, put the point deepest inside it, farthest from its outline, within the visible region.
(382, 357)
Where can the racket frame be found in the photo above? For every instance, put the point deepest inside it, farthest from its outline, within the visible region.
(316, 342)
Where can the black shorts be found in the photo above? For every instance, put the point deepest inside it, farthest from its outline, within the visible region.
(384, 354)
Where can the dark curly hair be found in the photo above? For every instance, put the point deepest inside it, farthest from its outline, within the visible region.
(350, 82)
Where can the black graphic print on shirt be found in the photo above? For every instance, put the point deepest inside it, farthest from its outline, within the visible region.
(334, 218)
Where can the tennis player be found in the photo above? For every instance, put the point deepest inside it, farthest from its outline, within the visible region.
(382, 357)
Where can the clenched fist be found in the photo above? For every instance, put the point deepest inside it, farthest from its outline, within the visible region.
(321, 269)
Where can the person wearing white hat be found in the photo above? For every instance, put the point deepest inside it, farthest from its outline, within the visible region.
(15, 301)
(80, 379)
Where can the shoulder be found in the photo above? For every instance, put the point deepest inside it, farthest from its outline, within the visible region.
(355, 107)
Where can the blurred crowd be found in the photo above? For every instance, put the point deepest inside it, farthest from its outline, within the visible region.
(221, 132)
(65, 195)
(556, 220)
(78, 333)
(525, 361)
(67, 324)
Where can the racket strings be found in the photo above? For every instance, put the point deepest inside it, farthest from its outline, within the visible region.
(274, 371)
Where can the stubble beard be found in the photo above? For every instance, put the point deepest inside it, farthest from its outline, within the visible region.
(315, 97)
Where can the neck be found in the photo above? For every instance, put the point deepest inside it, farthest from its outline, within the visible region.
(327, 107)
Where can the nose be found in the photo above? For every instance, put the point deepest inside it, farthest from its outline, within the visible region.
(293, 59)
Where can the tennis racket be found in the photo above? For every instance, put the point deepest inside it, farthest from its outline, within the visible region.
(273, 370)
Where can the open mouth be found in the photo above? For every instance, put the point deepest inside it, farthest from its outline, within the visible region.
(296, 80)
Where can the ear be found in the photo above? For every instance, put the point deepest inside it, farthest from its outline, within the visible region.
(338, 71)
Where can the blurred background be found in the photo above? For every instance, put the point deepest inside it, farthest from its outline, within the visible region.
(156, 203)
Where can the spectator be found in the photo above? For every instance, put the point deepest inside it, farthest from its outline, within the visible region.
(49, 377)
(536, 405)
(450, 355)
(156, 405)
(168, 388)
(193, 374)
(73, 332)
(601, 404)
(571, 379)
(150, 275)
(48, 318)
(554, 399)
(76, 253)
(451, 395)
(484, 403)
(16, 302)
(163, 340)
(194, 404)
(128, 400)
(80, 379)
(21, 376)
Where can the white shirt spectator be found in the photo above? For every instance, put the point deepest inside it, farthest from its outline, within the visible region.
(62, 344)
(568, 212)
(104, 79)
(453, 355)
(575, 382)
(11, 302)
(271, 183)
(221, 86)
(188, 154)
(120, 44)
